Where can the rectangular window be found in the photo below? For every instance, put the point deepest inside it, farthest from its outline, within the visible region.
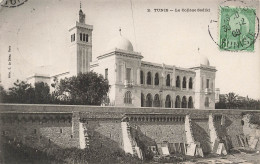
(35, 131)
(207, 83)
(80, 36)
(120, 73)
(106, 73)
(128, 74)
(73, 37)
(60, 130)
(84, 37)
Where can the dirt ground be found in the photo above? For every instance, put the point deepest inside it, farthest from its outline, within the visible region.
(241, 158)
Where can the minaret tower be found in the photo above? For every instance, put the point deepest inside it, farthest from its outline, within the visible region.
(80, 46)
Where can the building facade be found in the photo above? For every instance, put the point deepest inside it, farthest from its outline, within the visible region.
(138, 83)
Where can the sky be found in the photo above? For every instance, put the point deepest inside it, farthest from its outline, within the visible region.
(37, 32)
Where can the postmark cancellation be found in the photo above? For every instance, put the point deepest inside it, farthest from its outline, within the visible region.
(237, 28)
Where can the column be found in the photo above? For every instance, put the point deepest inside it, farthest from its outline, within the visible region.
(138, 76)
(181, 82)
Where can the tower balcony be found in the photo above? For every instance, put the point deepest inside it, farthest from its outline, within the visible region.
(128, 83)
(208, 91)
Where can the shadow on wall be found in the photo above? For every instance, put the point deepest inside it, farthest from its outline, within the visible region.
(100, 141)
(222, 132)
(201, 136)
(143, 142)
(104, 135)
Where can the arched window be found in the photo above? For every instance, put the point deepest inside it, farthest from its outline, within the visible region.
(149, 78)
(142, 100)
(141, 77)
(149, 100)
(156, 79)
(156, 102)
(184, 102)
(128, 98)
(86, 37)
(184, 82)
(178, 81)
(168, 80)
(190, 83)
(190, 103)
(168, 102)
(206, 102)
(177, 102)
(80, 36)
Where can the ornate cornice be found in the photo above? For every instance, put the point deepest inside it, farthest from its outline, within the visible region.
(119, 52)
(154, 118)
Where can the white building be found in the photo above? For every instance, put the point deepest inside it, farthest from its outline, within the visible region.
(135, 82)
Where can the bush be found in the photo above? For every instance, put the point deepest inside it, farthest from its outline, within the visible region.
(16, 152)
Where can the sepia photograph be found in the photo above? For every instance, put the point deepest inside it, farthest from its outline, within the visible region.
(129, 81)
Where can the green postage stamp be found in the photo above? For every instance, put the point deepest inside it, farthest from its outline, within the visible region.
(237, 29)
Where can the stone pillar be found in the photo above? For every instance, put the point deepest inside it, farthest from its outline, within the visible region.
(180, 82)
(83, 136)
(152, 78)
(171, 79)
(144, 78)
(124, 72)
(188, 130)
(163, 103)
(127, 139)
(212, 131)
(75, 126)
(138, 76)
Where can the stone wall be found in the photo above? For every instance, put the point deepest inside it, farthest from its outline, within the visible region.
(55, 125)
(152, 129)
(39, 130)
(104, 134)
(201, 133)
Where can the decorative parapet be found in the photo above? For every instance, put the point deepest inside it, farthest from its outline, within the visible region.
(38, 118)
(208, 91)
(155, 118)
(128, 84)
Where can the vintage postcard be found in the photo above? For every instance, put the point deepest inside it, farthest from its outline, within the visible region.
(153, 79)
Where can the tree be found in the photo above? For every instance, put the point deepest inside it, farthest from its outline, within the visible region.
(222, 103)
(42, 93)
(231, 100)
(25, 93)
(84, 89)
(3, 94)
(21, 93)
